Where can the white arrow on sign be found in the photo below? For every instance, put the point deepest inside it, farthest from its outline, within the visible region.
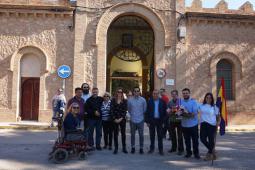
(63, 71)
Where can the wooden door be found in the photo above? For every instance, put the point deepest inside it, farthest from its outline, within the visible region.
(30, 99)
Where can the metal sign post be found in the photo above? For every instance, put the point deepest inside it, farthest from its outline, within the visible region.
(64, 72)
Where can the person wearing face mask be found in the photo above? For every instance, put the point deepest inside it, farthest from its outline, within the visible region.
(93, 107)
(189, 110)
(85, 91)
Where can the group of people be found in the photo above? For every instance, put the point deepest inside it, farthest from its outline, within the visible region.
(181, 116)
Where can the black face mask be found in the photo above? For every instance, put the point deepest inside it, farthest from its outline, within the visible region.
(85, 91)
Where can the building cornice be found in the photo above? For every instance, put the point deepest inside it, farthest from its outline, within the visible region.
(216, 18)
(35, 11)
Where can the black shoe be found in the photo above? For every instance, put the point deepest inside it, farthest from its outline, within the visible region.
(133, 150)
(105, 147)
(141, 151)
(187, 156)
(150, 151)
(115, 151)
(98, 148)
(197, 156)
(161, 153)
(124, 150)
(110, 148)
(172, 150)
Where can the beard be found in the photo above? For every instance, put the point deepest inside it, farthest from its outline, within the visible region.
(85, 91)
(186, 98)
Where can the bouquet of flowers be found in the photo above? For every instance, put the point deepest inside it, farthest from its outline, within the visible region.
(179, 112)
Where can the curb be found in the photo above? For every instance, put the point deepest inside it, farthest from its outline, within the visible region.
(23, 127)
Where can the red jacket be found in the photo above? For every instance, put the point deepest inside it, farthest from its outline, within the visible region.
(165, 99)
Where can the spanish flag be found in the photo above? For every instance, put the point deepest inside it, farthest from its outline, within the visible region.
(221, 103)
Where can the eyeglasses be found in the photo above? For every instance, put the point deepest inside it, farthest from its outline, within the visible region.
(75, 107)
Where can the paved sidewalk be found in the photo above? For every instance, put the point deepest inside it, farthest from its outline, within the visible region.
(26, 125)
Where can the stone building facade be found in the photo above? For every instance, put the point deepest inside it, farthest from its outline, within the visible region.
(193, 46)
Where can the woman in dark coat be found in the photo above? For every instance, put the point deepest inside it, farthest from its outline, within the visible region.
(118, 113)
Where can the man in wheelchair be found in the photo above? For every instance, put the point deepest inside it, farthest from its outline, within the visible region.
(71, 122)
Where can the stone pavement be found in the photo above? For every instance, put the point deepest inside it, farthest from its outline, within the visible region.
(21, 149)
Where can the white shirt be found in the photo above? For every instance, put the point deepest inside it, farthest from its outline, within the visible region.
(85, 97)
(208, 113)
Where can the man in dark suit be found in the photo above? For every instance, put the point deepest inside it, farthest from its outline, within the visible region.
(155, 116)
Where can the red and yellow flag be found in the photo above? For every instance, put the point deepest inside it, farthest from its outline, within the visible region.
(221, 103)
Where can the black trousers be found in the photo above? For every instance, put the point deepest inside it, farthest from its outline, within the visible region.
(122, 127)
(207, 135)
(156, 125)
(165, 129)
(176, 133)
(108, 132)
(191, 133)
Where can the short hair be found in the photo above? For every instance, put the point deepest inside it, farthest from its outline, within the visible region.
(107, 93)
(174, 91)
(162, 90)
(136, 87)
(94, 88)
(77, 89)
(186, 89)
(60, 90)
(156, 90)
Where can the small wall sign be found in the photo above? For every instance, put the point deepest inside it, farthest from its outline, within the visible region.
(161, 73)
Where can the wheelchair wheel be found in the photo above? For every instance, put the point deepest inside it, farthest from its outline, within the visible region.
(60, 156)
(83, 155)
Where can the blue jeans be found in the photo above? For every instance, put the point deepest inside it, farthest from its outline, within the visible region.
(92, 125)
(140, 128)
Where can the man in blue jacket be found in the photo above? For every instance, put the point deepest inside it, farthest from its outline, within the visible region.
(155, 116)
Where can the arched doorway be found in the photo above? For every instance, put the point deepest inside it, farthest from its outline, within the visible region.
(130, 54)
(30, 69)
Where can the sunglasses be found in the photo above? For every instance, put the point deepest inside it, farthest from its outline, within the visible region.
(75, 107)
(106, 96)
(85, 87)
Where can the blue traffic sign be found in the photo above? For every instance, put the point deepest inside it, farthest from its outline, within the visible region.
(64, 71)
